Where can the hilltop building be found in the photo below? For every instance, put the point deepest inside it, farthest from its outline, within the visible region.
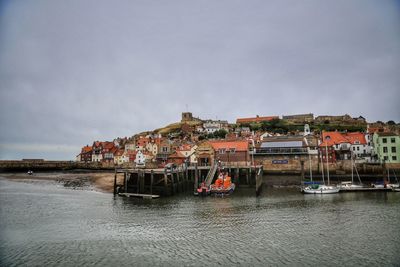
(256, 119)
(299, 118)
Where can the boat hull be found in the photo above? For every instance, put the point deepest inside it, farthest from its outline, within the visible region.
(222, 190)
(321, 190)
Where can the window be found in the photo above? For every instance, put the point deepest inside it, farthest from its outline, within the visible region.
(394, 158)
(385, 150)
(233, 150)
(221, 151)
(384, 140)
(385, 158)
(354, 148)
(358, 148)
(393, 149)
(392, 140)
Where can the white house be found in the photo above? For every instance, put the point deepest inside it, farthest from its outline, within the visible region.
(211, 126)
(140, 159)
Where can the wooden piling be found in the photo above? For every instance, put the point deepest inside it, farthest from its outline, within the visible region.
(115, 182)
(259, 180)
(151, 181)
(196, 178)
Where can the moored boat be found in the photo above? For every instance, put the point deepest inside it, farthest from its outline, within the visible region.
(321, 189)
(223, 185)
(222, 190)
(203, 189)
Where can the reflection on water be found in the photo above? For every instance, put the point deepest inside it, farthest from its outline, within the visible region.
(44, 224)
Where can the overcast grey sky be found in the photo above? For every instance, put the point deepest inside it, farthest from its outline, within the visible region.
(76, 71)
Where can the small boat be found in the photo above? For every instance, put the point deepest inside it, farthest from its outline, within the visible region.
(222, 190)
(378, 184)
(203, 190)
(222, 186)
(320, 189)
(30, 172)
(349, 185)
(395, 189)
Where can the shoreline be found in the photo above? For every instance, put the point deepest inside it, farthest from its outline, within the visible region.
(100, 181)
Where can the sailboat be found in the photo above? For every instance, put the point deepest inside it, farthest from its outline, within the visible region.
(389, 184)
(314, 188)
(350, 185)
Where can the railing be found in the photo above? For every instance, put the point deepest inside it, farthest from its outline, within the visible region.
(279, 150)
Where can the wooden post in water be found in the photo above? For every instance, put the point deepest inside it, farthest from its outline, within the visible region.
(259, 180)
(138, 182)
(186, 178)
(125, 182)
(196, 177)
(166, 182)
(151, 181)
(115, 181)
(237, 175)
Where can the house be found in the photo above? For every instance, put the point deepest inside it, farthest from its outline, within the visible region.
(256, 119)
(120, 157)
(387, 147)
(282, 145)
(140, 159)
(130, 147)
(344, 146)
(97, 155)
(335, 145)
(164, 150)
(86, 154)
(231, 151)
(204, 154)
(188, 152)
(359, 146)
(211, 126)
(108, 150)
(141, 143)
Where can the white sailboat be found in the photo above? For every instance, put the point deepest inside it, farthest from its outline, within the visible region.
(350, 185)
(317, 188)
(392, 185)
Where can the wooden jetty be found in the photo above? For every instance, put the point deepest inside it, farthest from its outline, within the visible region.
(144, 196)
(147, 183)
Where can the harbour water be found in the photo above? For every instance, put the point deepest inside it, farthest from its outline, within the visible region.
(45, 224)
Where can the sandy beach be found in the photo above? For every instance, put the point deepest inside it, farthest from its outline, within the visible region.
(101, 181)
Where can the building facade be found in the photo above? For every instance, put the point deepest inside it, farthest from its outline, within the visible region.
(387, 147)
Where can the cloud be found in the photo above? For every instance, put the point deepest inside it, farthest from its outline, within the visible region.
(76, 71)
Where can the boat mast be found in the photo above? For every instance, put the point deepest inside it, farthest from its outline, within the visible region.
(352, 168)
(327, 159)
(322, 169)
(309, 160)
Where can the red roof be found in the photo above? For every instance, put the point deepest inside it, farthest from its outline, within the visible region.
(256, 119)
(242, 145)
(86, 149)
(333, 138)
(357, 136)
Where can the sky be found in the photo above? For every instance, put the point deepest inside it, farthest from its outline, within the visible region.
(76, 71)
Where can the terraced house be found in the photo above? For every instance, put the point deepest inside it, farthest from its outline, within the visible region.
(387, 147)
